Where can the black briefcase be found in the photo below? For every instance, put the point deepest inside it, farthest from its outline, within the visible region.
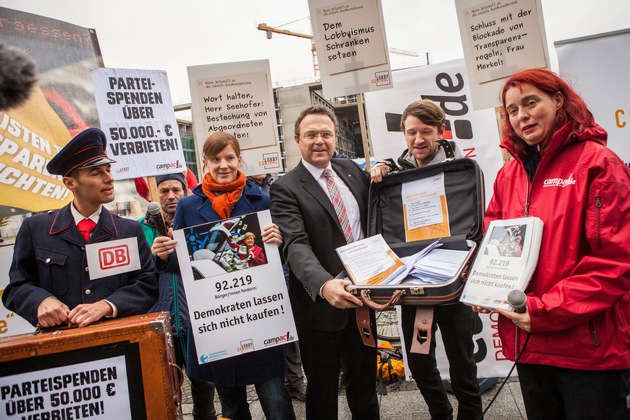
(388, 216)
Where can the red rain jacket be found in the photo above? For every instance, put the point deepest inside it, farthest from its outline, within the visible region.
(578, 298)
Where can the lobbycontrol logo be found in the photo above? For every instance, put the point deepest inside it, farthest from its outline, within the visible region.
(246, 346)
(113, 257)
(381, 78)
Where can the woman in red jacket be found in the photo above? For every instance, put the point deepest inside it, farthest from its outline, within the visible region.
(576, 364)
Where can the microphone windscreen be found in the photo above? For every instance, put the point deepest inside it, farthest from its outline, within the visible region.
(517, 299)
(17, 76)
(153, 208)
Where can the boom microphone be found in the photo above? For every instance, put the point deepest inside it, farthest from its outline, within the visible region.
(156, 215)
(17, 77)
(517, 301)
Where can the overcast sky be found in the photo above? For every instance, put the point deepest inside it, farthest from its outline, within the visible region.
(171, 35)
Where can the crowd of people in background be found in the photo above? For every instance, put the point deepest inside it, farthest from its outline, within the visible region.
(571, 343)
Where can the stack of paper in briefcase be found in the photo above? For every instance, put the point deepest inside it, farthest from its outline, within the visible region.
(411, 210)
(371, 261)
(506, 260)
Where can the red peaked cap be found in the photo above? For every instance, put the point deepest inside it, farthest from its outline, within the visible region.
(85, 150)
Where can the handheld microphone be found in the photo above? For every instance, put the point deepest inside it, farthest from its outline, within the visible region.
(517, 301)
(156, 216)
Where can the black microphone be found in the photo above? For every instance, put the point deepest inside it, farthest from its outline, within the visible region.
(17, 76)
(156, 215)
(517, 301)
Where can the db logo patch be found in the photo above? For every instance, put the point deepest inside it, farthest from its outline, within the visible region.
(113, 257)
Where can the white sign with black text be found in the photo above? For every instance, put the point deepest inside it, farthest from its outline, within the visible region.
(137, 116)
(351, 46)
(499, 39)
(96, 389)
(237, 98)
(235, 286)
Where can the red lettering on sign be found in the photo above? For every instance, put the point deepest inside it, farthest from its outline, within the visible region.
(469, 152)
(113, 257)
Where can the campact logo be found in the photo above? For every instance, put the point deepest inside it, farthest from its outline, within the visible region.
(559, 182)
(166, 166)
(285, 338)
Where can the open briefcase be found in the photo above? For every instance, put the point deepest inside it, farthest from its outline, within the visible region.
(463, 205)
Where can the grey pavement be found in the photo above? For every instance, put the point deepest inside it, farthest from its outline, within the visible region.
(403, 403)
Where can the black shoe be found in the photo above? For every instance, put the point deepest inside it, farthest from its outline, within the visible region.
(298, 392)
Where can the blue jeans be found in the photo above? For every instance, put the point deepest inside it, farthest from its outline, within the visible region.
(273, 396)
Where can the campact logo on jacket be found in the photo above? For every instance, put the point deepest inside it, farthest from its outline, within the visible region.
(559, 182)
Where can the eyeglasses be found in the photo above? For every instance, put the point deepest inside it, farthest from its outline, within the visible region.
(312, 135)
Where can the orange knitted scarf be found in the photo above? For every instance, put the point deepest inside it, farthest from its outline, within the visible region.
(223, 196)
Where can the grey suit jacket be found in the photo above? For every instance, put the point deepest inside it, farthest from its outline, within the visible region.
(311, 232)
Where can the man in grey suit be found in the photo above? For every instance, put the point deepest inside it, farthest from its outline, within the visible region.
(312, 227)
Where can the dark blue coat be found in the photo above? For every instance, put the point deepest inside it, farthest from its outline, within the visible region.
(172, 297)
(248, 368)
(49, 260)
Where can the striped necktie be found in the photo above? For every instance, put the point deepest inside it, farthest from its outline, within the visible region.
(337, 202)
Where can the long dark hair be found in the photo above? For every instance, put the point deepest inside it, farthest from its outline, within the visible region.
(573, 107)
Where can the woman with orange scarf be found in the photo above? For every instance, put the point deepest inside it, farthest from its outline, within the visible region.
(225, 192)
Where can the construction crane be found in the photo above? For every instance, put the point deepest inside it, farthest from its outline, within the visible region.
(270, 31)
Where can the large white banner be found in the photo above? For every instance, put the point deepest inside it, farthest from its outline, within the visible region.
(237, 98)
(475, 132)
(477, 136)
(237, 295)
(598, 66)
(488, 349)
(137, 116)
(499, 39)
(488, 352)
(351, 46)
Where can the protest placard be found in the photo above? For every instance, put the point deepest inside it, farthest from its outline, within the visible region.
(237, 98)
(94, 385)
(137, 116)
(499, 39)
(351, 46)
(236, 291)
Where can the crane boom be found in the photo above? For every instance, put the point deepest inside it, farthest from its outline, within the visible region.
(270, 31)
